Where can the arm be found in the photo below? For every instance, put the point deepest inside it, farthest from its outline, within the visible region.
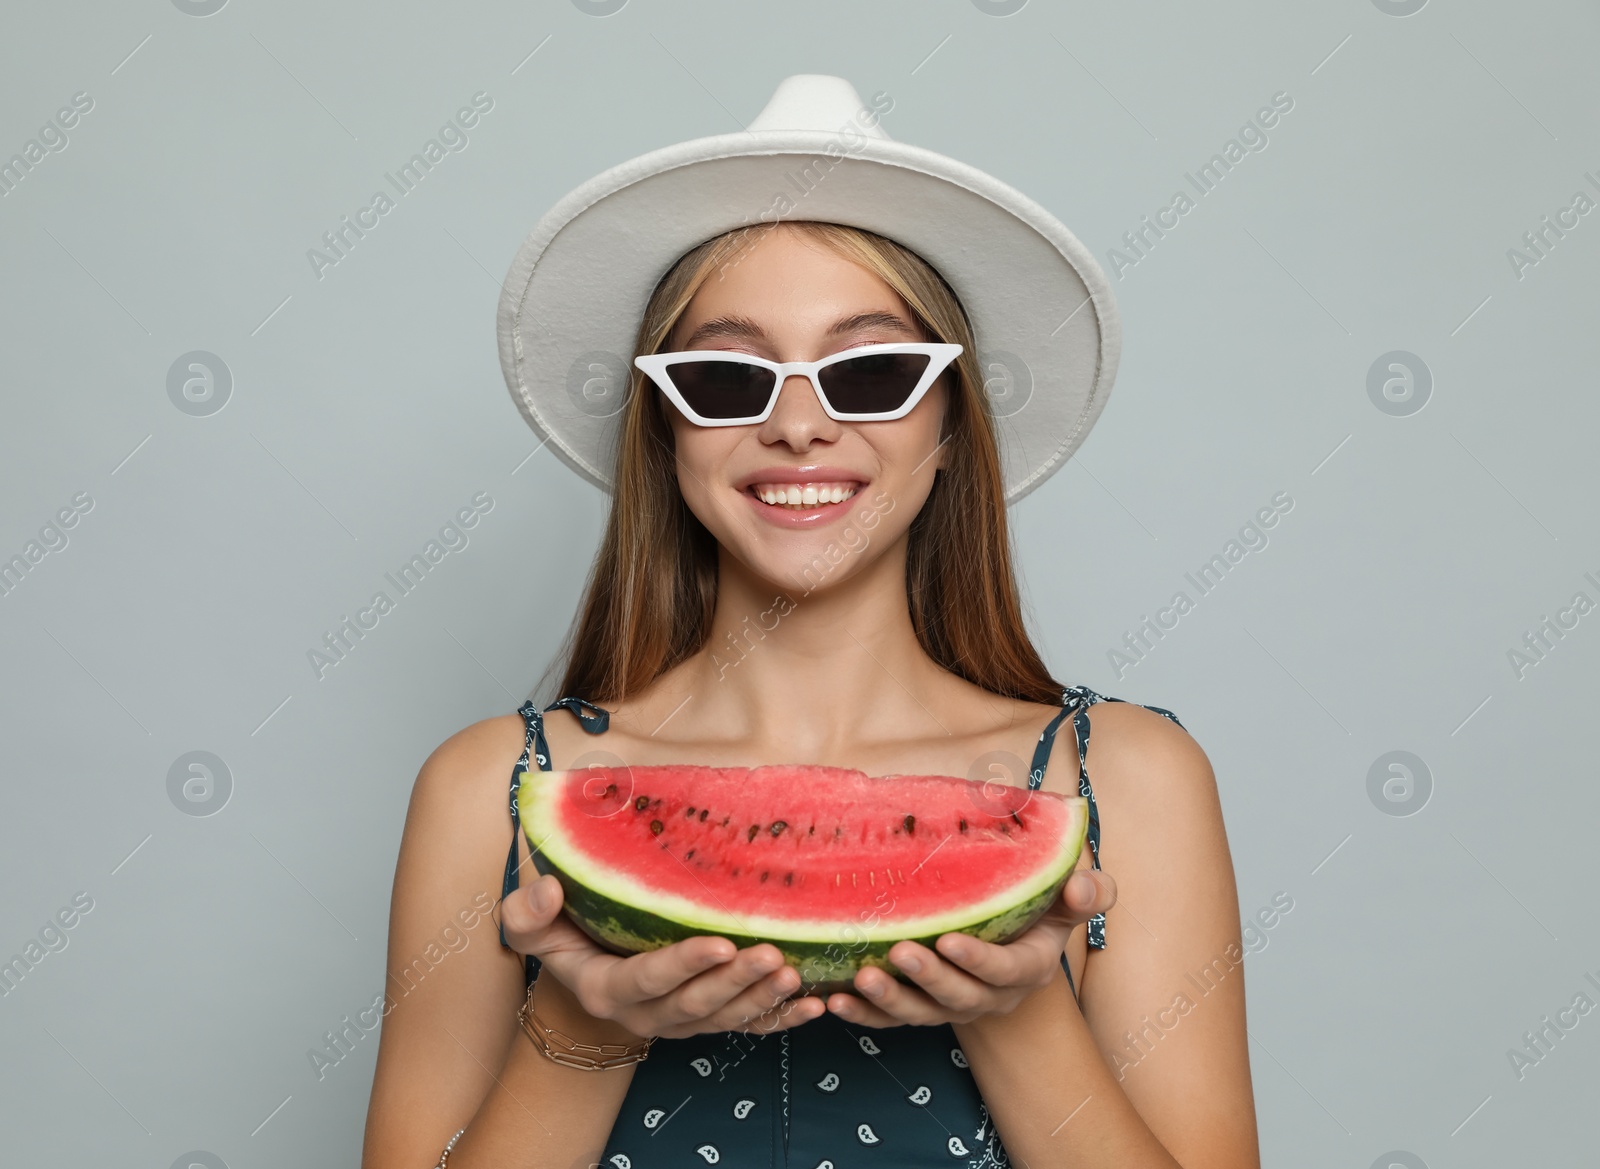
(450, 1054)
(1157, 1065)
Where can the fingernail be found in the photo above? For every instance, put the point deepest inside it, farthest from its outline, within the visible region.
(539, 894)
(875, 990)
(910, 965)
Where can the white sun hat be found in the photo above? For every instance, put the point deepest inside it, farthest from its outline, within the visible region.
(1043, 315)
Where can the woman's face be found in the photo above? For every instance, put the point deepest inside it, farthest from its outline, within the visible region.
(788, 299)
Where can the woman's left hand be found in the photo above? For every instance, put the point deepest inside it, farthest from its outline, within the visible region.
(966, 978)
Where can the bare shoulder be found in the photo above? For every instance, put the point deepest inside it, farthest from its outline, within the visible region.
(1133, 753)
(1160, 813)
(1156, 792)
(1145, 755)
(457, 830)
(474, 750)
(458, 825)
(456, 781)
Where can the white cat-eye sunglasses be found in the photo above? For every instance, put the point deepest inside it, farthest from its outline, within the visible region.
(868, 383)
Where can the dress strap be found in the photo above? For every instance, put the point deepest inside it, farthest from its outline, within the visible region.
(1041, 760)
(537, 750)
(596, 723)
(532, 744)
(1076, 701)
(1041, 753)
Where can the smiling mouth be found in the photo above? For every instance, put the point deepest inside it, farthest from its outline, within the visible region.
(801, 496)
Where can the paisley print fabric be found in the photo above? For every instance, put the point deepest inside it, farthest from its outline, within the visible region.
(827, 1094)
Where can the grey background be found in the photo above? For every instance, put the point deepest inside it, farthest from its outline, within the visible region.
(367, 407)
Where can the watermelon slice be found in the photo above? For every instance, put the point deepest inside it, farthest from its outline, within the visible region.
(829, 864)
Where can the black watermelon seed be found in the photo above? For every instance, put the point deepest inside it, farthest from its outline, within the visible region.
(689, 812)
(963, 824)
(778, 826)
(788, 878)
(703, 812)
(641, 803)
(655, 827)
(751, 834)
(611, 789)
(725, 820)
(688, 854)
(810, 830)
(764, 874)
(1017, 818)
(911, 825)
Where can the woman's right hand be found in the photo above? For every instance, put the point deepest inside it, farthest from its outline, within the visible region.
(701, 984)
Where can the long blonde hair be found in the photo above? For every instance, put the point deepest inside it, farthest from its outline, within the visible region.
(652, 590)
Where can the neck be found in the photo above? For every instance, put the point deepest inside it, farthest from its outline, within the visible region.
(807, 670)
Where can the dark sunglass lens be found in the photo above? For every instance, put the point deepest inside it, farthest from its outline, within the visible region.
(722, 389)
(873, 384)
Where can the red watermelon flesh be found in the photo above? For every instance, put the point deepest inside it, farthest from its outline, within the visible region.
(829, 864)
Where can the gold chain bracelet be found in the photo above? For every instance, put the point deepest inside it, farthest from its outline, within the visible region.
(568, 1052)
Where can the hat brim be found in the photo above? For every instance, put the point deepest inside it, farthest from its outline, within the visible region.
(1044, 318)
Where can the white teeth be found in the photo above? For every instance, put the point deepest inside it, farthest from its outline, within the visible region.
(799, 495)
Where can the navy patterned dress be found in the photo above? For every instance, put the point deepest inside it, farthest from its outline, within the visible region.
(824, 1095)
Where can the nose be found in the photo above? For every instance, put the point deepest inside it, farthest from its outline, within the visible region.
(798, 419)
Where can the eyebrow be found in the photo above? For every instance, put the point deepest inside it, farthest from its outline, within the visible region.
(743, 327)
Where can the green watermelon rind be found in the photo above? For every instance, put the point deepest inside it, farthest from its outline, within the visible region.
(826, 962)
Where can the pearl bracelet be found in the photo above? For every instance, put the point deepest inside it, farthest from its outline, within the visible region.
(445, 1156)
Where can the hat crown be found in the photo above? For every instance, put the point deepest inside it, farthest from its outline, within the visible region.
(817, 101)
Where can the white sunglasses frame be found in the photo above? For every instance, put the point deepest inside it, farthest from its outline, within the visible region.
(940, 356)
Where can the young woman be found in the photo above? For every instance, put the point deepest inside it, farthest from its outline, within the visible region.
(899, 648)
